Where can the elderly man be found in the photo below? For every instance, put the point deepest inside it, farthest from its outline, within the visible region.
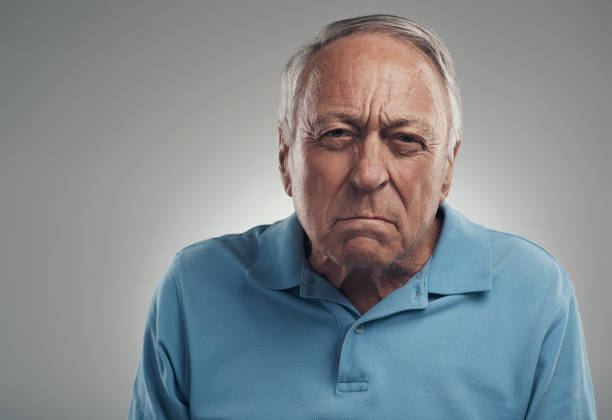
(375, 299)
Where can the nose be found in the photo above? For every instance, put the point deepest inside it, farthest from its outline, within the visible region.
(369, 171)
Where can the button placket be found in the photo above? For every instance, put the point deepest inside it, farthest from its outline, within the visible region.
(352, 377)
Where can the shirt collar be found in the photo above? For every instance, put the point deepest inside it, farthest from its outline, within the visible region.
(281, 255)
(460, 263)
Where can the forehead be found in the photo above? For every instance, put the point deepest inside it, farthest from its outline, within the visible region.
(373, 72)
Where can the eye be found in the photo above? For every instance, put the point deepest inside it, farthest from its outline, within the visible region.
(337, 133)
(408, 144)
(408, 138)
(336, 139)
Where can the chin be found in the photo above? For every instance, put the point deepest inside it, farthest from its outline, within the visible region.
(363, 253)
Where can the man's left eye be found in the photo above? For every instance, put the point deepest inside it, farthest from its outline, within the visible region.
(407, 138)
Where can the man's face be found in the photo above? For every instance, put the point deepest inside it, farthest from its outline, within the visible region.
(369, 164)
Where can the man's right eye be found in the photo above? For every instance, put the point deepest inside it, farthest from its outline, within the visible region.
(338, 132)
(336, 139)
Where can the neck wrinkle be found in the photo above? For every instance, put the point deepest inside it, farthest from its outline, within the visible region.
(364, 287)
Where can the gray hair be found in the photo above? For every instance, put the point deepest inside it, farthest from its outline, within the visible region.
(397, 27)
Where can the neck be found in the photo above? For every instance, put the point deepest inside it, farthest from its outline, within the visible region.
(365, 287)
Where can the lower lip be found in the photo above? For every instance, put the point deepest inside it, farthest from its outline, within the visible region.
(364, 219)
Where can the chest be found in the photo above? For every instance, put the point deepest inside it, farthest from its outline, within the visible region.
(315, 359)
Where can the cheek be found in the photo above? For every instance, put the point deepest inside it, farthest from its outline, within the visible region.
(317, 178)
(324, 172)
(418, 182)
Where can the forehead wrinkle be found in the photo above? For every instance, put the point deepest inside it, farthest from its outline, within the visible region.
(388, 102)
(377, 95)
(417, 89)
(338, 73)
(326, 85)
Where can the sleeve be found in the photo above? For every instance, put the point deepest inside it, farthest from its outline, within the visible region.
(159, 388)
(562, 387)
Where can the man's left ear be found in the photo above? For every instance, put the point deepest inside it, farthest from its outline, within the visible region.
(448, 176)
(283, 156)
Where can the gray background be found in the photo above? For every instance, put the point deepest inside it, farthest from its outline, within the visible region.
(130, 130)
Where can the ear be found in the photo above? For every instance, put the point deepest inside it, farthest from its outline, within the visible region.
(448, 176)
(283, 156)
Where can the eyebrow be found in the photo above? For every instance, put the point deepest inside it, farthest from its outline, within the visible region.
(419, 124)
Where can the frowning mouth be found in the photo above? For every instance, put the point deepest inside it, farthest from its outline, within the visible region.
(366, 218)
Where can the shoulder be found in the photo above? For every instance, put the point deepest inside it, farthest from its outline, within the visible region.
(529, 269)
(236, 249)
(208, 273)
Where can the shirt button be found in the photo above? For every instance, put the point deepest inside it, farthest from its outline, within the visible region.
(358, 329)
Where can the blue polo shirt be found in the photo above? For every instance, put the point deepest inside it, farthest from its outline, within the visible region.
(241, 327)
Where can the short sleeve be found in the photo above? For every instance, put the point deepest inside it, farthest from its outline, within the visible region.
(159, 388)
(562, 387)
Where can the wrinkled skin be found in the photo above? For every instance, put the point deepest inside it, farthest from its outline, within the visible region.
(369, 164)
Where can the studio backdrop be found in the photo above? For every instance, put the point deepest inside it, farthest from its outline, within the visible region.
(129, 130)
